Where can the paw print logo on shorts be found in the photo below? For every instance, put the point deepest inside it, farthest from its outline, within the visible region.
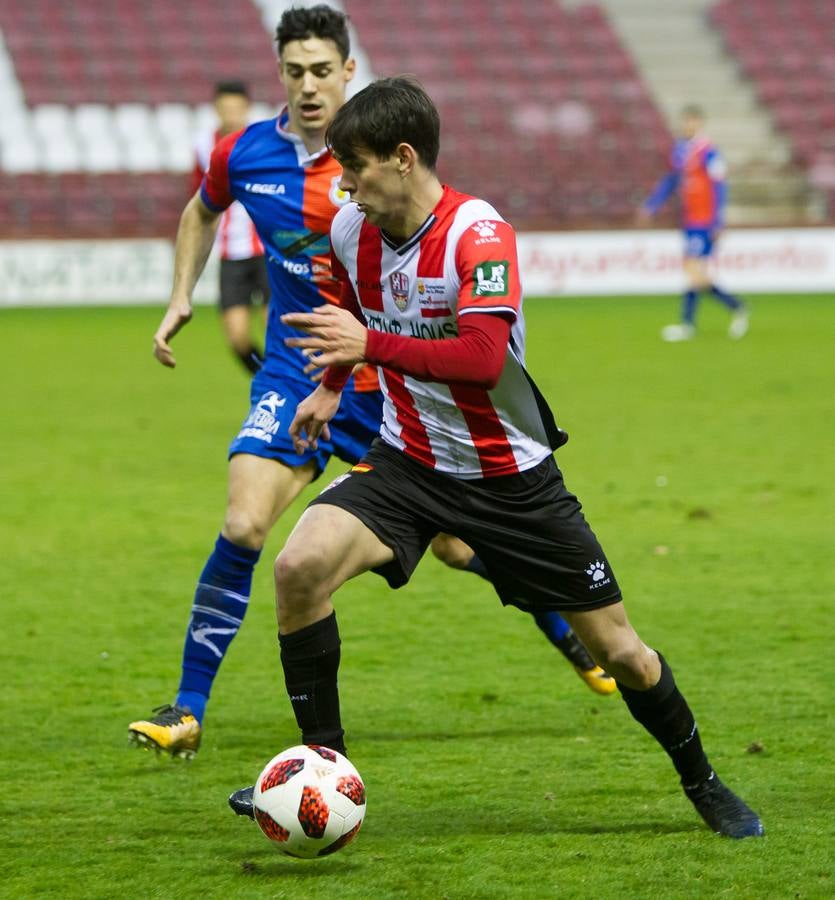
(596, 570)
(484, 229)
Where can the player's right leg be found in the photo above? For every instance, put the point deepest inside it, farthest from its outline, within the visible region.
(696, 250)
(260, 489)
(328, 546)
(654, 700)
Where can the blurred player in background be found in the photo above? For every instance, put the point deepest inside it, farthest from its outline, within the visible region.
(697, 174)
(466, 445)
(243, 270)
(292, 204)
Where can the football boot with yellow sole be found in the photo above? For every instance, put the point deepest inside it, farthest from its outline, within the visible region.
(574, 650)
(173, 731)
(600, 681)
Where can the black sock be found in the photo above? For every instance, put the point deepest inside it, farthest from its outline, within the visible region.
(476, 566)
(664, 712)
(251, 359)
(310, 658)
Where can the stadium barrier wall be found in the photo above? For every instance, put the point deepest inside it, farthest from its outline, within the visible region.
(116, 272)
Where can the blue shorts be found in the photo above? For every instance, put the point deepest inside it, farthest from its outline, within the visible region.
(265, 430)
(698, 242)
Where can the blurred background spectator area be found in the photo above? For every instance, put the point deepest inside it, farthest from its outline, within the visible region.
(560, 113)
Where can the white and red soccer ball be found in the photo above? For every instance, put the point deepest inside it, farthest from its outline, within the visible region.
(310, 801)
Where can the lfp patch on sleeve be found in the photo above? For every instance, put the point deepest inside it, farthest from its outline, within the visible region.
(491, 279)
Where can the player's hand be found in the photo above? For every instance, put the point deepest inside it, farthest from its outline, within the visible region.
(312, 417)
(333, 334)
(642, 216)
(314, 369)
(177, 314)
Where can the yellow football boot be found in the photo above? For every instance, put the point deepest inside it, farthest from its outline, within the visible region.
(574, 650)
(173, 730)
(599, 681)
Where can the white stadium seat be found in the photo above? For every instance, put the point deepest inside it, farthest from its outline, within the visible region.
(19, 154)
(52, 120)
(142, 154)
(60, 154)
(103, 155)
(174, 119)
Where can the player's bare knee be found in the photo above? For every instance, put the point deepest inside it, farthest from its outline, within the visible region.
(244, 529)
(628, 661)
(451, 551)
(297, 575)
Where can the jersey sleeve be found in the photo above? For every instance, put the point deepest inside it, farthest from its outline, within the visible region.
(216, 191)
(717, 170)
(488, 268)
(662, 191)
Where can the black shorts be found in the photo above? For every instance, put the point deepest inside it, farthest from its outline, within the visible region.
(527, 529)
(243, 281)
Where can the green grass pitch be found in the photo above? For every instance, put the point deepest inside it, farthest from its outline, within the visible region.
(707, 471)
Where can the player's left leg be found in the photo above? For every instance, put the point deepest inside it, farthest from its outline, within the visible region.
(239, 282)
(654, 700)
(740, 314)
(454, 553)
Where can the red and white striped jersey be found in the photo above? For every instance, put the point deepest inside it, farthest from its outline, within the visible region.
(462, 260)
(236, 235)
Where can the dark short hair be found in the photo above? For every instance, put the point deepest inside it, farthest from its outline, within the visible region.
(232, 86)
(384, 114)
(302, 22)
(693, 111)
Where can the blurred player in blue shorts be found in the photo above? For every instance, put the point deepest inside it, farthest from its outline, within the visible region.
(697, 175)
(283, 174)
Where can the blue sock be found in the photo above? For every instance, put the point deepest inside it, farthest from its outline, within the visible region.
(220, 603)
(729, 300)
(688, 306)
(552, 625)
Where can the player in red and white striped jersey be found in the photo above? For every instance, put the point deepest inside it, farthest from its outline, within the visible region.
(243, 270)
(466, 446)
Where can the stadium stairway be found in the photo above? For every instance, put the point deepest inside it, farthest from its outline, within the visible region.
(683, 59)
(543, 111)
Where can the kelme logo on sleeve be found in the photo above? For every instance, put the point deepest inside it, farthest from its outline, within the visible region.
(491, 279)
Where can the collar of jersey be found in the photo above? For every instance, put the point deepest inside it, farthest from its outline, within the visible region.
(400, 249)
(304, 158)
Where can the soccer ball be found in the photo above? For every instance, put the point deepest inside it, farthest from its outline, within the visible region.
(310, 801)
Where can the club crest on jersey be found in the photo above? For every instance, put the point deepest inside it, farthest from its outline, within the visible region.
(491, 279)
(336, 195)
(399, 283)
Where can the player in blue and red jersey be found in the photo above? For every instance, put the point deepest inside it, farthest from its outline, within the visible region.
(282, 173)
(697, 176)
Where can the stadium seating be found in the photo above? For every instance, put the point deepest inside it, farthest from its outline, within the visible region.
(150, 52)
(787, 48)
(112, 97)
(543, 112)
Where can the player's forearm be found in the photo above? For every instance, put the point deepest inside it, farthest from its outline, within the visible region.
(662, 191)
(720, 199)
(476, 357)
(195, 237)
